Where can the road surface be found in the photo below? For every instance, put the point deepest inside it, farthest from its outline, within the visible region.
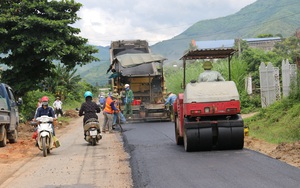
(156, 161)
(73, 164)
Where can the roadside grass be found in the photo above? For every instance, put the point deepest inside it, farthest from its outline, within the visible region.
(279, 123)
(69, 105)
(64, 119)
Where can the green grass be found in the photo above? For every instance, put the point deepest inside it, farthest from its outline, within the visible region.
(279, 123)
(65, 119)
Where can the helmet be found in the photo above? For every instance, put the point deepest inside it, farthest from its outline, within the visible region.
(126, 85)
(45, 100)
(207, 65)
(88, 94)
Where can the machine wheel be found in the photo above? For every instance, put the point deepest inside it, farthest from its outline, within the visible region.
(179, 139)
(94, 141)
(4, 141)
(189, 141)
(44, 146)
(197, 139)
(14, 136)
(231, 138)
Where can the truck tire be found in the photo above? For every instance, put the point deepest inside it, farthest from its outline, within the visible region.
(179, 139)
(14, 137)
(4, 141)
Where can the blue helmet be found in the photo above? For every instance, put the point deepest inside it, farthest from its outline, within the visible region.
(88, 94)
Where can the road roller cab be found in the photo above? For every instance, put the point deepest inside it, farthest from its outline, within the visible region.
(207, 115)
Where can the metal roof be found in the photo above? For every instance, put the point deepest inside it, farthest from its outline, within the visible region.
(262, 39)
(215, 44)
(216, 53)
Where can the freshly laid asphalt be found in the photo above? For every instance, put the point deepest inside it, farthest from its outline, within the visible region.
(156, 161)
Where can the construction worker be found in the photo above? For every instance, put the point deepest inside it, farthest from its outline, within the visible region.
(209, 75)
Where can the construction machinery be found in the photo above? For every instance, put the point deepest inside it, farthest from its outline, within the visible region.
(207, 115)
(133, 63)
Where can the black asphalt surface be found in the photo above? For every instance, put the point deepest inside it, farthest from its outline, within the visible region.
(157, 161)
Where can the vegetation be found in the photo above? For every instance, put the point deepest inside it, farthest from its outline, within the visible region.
(279, 123)
(41, 50)
(72, 99)
(36, 33)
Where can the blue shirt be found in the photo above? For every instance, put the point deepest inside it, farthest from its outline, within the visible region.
(171, 99)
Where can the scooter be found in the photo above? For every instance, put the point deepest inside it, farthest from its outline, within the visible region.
(92, 131)
(45, 138)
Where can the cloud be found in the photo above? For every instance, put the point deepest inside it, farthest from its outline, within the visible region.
(103, 21)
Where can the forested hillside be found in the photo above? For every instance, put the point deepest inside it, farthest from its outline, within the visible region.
(95, 72)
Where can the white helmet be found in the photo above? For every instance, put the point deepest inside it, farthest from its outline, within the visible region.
(126, 85)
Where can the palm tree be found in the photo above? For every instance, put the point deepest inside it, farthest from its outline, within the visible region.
(62, 81)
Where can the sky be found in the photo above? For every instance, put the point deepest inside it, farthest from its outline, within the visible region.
(104, 21)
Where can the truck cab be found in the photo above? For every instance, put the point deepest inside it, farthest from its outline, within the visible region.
(9, 115)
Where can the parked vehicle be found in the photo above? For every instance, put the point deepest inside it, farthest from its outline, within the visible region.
(207, 114)
(133, 63)
(9, 115)
(91, 128)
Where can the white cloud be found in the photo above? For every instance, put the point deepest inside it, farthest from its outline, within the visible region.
(153, 20)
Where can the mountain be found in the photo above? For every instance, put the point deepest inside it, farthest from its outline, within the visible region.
(261, 17)
(95, 72)
(277, 17)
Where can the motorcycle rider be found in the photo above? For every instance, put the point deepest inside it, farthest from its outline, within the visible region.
(45, 110)
(89, 109)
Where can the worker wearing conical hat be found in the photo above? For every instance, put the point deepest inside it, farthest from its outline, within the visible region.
(209, 75)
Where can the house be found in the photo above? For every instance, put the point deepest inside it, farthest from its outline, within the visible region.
(261, 43)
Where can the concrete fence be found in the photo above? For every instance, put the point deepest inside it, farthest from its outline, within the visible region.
(270, 81)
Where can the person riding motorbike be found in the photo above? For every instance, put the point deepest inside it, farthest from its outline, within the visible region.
(45, 110)
(89, 109)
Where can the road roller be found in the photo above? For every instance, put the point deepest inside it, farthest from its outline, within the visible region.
(207, 114)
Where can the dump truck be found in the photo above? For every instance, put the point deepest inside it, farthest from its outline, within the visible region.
(9, 115)
(207, 114)
(133, 63)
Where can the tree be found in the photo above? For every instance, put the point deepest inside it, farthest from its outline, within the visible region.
(289, 49)
(62, 82)
(36, 33)
(253, 58)
(265, 35)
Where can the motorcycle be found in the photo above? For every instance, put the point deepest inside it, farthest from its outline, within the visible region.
(45, 138)
(92, 131)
